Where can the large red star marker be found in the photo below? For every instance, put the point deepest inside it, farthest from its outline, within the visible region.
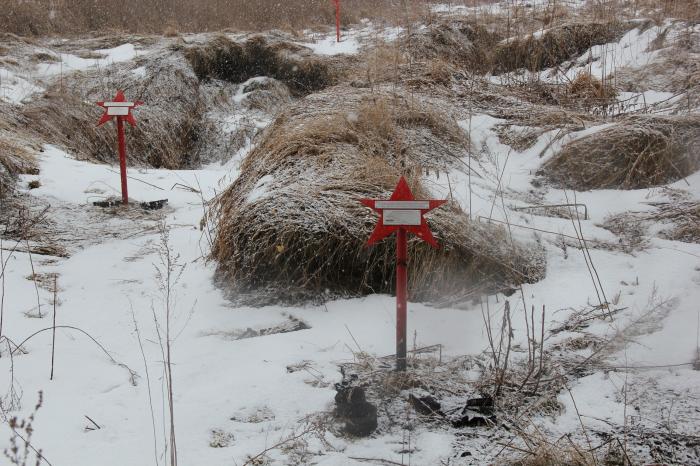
(402, 213)
(121, 109)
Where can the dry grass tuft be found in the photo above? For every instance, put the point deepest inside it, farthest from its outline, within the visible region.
(686, 220)
(14, 159)
(676, 220)
(227, 60)
(639, 152)
(292, 224)
(560, 453)
(587, 91)
(16, 152)
(554, 46)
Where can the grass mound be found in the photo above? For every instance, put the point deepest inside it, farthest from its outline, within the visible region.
(169, 127)
(640, 152)
(555, 46)
(16, 153)
(292, 223)
(460, 43)
(224, 59)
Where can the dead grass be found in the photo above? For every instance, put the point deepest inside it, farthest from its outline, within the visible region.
(686, 220)
(560, 453)
(292, 223)
(224, 59)
(675, 220)
(14, 159)
(41, 17)
(639, 152)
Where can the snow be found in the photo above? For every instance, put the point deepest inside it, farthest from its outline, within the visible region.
(22, 81)
(218, 377)
(632, 50)
(261, 189)
(69, 62)
(328, 45)
(101, 284)
(14, 88)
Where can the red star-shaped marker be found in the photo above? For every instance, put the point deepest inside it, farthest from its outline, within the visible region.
(402, 210)
(120, 108)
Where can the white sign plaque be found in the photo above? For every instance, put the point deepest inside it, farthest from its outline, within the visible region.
(117, 111)
(401, 217)
(402, 205)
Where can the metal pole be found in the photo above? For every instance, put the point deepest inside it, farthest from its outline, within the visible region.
(122, 159)
(401, 298)
(337, 20)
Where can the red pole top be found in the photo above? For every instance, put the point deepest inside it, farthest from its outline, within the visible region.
(337, 20)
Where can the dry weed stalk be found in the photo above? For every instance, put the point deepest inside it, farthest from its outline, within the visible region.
(504, 374)
(167, 273)
(20, 453)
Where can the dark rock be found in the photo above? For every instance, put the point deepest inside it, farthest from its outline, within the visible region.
(360, 416)
(473, 421)
(426, 405)
(154, 205)
(482, 405)
(477, 412)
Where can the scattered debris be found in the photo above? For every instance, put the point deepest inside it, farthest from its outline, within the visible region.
(221, 439)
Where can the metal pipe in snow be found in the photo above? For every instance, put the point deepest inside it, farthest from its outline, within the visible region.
(401, 298)
(122, 158)
(337, 20)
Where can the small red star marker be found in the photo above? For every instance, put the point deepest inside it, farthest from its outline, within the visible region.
(118, 107)
(402, 213)
(121, 109)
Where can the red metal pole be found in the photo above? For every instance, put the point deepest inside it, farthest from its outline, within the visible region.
(401, 298)
(337, 20)
(122, 159)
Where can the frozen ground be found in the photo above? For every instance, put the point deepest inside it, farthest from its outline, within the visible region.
(239, 390)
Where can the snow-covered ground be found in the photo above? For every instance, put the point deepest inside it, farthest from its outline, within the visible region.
(238, 390)
(220, 380)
